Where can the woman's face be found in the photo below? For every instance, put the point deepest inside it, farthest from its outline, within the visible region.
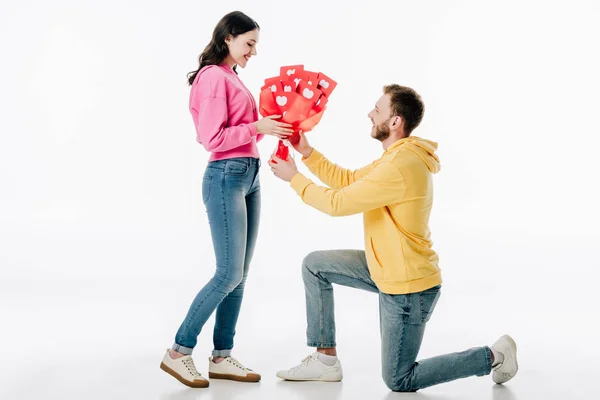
(242, 47)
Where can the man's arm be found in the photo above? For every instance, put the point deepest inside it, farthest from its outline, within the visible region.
(332, 174)
(381, 186)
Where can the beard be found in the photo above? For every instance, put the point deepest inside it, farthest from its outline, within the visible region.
(382, 131)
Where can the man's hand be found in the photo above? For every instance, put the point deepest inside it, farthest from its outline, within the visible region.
(284, 170)
(303, 147)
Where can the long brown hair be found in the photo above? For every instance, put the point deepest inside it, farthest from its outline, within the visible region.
(235, 23)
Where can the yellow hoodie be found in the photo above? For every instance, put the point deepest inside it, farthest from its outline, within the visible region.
(395, 193)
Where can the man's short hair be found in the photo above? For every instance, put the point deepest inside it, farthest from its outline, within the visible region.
(405, 103)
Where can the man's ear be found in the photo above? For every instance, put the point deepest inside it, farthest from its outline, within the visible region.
(397, 122)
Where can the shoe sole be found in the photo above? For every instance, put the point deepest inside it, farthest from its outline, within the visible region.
(336, 379)
(513, 345)
(252, 378)
(193, 384)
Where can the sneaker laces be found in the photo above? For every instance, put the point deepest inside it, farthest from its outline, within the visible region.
(306, 361)
(189, 364)
(237, 364)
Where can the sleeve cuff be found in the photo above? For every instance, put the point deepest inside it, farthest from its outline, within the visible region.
(313, 159)
(252, 129)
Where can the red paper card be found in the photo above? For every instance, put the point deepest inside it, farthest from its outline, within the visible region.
(309, 92)
(301, 77)
(311, 78)
(320, 104)
(274, 84)
(288, 86)
(289, 72)
(326, 84)
(294, 73)
(283, 100)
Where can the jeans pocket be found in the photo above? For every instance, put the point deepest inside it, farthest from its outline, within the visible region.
(429, 299)
(395, 308)
(236, 167)
(206, 184)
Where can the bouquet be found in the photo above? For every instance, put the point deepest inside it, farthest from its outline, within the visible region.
(299, 96)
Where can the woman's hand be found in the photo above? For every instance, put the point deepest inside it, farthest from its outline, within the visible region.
(268, 126)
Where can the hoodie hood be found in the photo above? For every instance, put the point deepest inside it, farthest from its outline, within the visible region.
(424, 148)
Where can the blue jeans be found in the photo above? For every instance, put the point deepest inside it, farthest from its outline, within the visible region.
(402, 323)
(231, 194)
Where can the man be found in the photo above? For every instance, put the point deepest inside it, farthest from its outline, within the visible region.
(394, 193)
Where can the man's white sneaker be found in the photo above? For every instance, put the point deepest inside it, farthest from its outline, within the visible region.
(506, 370)
(184, 370)
(312, 369)
(231, 369)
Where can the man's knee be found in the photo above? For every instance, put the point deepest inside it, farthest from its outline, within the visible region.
(390, 382)
(311, 263)
(397, 385)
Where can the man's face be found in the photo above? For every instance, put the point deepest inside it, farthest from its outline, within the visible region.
(380, 117)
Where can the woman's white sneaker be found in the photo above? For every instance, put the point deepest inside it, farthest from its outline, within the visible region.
(184, 370)
(313, 369)
(231, 369)
(506, 370)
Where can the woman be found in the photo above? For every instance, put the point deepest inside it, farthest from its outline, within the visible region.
(226, 119)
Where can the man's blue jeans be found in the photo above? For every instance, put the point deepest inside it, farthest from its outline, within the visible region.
(402, 323)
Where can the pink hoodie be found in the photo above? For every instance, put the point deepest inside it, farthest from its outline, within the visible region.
(223, 111)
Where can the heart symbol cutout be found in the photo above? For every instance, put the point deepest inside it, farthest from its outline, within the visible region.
(281, 100)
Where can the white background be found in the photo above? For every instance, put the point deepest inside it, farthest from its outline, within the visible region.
(104, 239)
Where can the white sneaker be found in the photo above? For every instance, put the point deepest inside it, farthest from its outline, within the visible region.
(184, 370)
(312, 369)
(231, 369)
(506, 370)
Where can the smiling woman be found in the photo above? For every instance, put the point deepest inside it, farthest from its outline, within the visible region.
(234, 42)
(226, 119)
